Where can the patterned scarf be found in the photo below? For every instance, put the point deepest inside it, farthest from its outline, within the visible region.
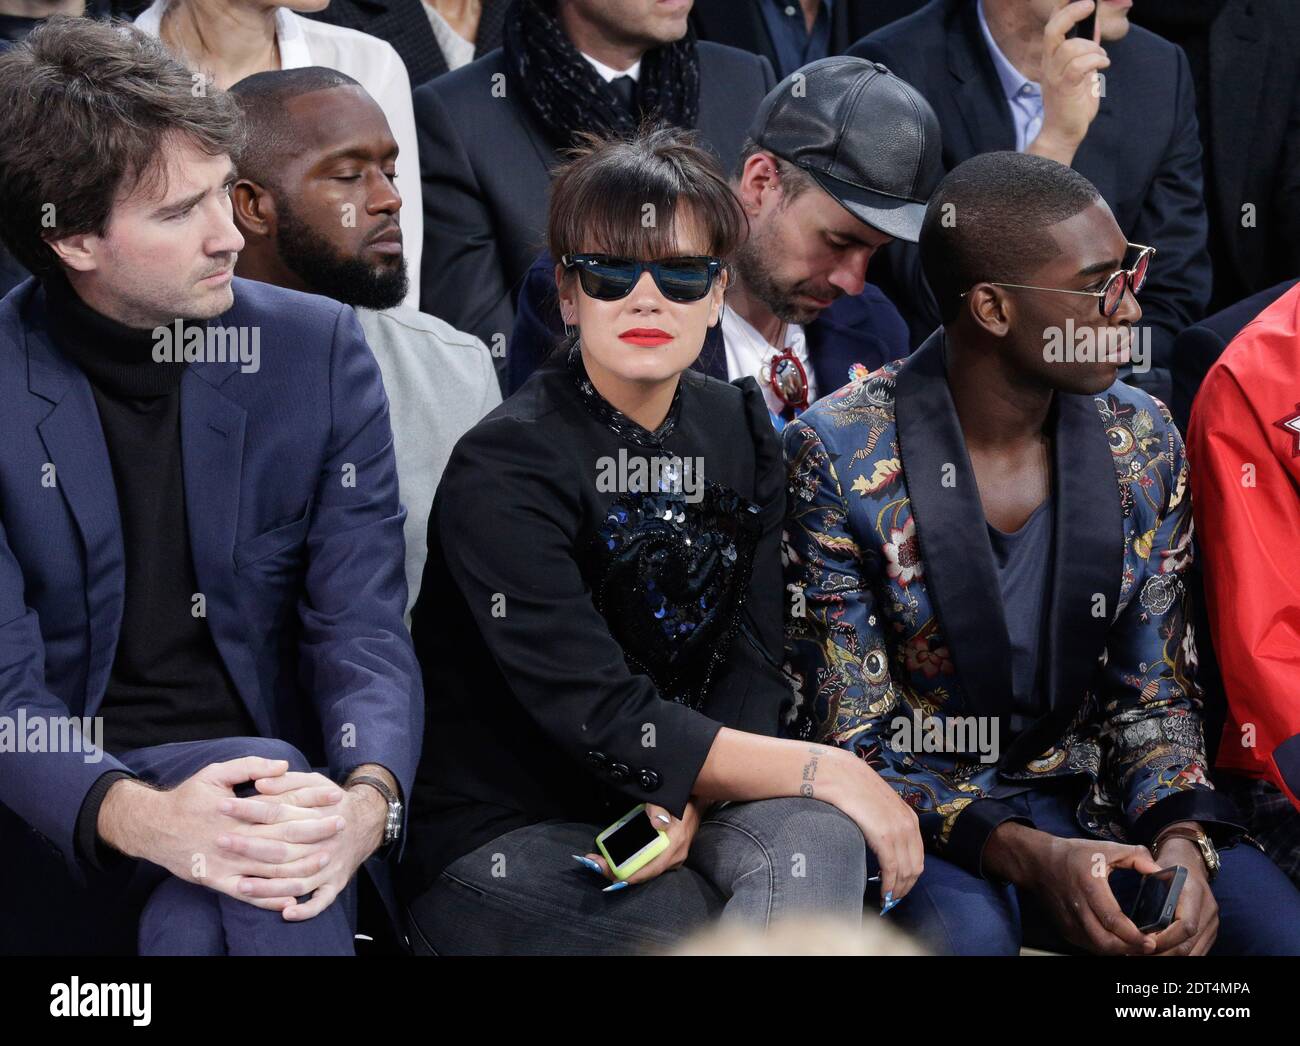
(568, 96)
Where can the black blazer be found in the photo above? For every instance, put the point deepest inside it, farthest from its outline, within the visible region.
(740, 23)
(405, 25)
(534, 708)
(1142, 153)
(486, 163)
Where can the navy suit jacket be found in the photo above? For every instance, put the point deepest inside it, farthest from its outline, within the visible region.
(866, 329)
(1142, 152)
(295, 530)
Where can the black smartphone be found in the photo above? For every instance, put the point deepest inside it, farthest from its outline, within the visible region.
(1157, 899)
(1087, 28)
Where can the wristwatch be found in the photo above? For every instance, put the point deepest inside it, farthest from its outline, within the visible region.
(1208, 853)
(392, 820)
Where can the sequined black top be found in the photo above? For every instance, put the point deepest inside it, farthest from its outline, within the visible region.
(598, 601)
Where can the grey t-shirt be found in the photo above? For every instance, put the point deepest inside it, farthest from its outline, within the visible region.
(1024, 565)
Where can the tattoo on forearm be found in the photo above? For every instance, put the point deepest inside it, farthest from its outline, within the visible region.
(810, 772)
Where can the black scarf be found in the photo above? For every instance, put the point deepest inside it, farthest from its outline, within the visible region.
(568, 96)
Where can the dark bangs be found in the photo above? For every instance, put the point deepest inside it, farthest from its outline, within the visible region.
(624, 196)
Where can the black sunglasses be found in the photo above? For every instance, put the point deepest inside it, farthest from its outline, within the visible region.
(609, 278)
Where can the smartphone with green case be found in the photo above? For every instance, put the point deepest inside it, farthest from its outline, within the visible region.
(631, 842)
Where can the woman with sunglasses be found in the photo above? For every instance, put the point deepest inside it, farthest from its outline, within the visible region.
(600, 621)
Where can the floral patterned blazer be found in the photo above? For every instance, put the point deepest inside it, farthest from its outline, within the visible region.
(897, 613)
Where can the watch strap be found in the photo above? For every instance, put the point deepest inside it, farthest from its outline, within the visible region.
(393, 818)
(1208, 853)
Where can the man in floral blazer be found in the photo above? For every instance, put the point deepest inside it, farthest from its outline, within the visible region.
(987, 545)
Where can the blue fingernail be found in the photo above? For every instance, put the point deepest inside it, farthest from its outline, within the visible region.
(614, 886)
(587, 862)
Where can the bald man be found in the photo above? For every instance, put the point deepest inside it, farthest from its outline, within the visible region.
(317, 205)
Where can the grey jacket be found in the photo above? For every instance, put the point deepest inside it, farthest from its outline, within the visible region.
(440, 382)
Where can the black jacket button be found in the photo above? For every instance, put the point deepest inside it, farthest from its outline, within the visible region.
(597, 760)
(649, 780)
(618, 772)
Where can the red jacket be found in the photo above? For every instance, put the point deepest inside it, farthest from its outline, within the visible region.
(1244, 446)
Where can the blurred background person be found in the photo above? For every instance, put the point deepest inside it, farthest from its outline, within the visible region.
(1005, 75)
(432, 36)
(231, 39)
(1242, 55)
(490, 134)
(806, 936)
(318, 142)
(792, 33)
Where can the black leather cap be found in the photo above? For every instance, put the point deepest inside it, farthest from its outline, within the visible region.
(869, 139)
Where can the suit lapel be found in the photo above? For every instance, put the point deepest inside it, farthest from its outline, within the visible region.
(212, 455)
(983, 107)
(74, 441)
(951, 534)
(1096, 156)
(1236, 84)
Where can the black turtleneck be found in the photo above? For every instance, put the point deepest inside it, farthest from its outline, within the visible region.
(168, 682)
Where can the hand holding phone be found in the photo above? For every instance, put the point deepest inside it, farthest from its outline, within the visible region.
(631, 842)
(1071, 87)
(1086, 29)
(1157, 899)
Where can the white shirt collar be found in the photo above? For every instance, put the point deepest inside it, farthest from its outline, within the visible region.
(748, 354)
(289, 34)
(608, 74)
(1012, 79)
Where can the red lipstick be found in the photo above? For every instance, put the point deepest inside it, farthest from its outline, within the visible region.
(647, 336)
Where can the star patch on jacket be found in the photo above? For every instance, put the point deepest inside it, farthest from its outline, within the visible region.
(1292, 425)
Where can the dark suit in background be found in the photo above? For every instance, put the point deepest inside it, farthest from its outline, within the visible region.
(486, 164)
(1142, 153)
(405, 25)
(740, 23)
(1243, 57)
(865, 329)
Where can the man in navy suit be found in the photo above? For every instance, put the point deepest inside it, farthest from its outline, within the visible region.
(840, 160)
(1006, 75)
(201, 554)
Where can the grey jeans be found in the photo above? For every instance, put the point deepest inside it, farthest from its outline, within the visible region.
(523, 894)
